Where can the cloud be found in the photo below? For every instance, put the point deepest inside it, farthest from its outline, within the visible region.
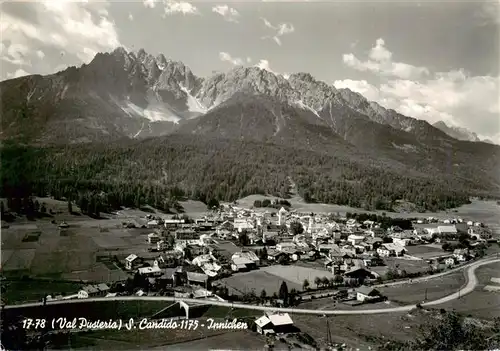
(149, 3)
(454, 97)
(380, 62)
(40, 54)
(18, 73)
(16, 54)
(488, 13)
(179, 7)
(360, 86)
(80, 28)
(264, 64)
(280, 30)
(230, 14)
(130, 17)
(236, 61)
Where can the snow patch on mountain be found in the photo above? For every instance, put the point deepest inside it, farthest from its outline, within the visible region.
(301, 104)
(152, 113)
(193, 104)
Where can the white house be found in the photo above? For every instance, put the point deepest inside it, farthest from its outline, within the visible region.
(129, 261)
(355, 239)
(274, 323)
(401, 242)
(93, 291)
(447, 230)
(367, 294)
(391, 249)
(283, 245)
(154, 270)
(153, 238)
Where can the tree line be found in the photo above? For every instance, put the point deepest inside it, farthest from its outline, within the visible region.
(160, 172)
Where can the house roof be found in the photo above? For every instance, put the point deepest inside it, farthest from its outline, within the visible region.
(280, 319)
(90, 289)
(131, 257)
(197, 277)
(241, 260)
(366, 290)
(102, 287)
(262, 321)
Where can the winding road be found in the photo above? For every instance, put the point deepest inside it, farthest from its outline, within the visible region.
(471, 280)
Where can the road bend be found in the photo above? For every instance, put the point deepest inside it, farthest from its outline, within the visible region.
(466, 289)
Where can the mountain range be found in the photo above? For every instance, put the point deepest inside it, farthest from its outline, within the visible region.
(459, 133)
(135, 95)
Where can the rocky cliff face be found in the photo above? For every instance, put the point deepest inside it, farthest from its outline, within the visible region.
(127, 94)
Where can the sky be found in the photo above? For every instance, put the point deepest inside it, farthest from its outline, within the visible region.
(432, 60)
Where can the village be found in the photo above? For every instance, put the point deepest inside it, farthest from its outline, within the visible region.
(284, 258)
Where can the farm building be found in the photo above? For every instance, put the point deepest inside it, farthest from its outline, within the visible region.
(93, 291)
(391, 249)
(197, 279)
(155, 270)
(153, 238)
(240, 264)
(367, 294)
(131, 261)
(274, 323)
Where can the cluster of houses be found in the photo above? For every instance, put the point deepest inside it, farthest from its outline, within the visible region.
(349, 247)
(191, 253)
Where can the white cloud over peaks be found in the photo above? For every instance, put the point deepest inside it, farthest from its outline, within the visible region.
(179, 7)
(380, 62)
(229, 14)
(280, 30)
(18, 73)
(454, 97)
(264, 64)
(236, 61)
(80, 28)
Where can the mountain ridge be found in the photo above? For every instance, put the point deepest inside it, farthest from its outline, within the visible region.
(123, 94)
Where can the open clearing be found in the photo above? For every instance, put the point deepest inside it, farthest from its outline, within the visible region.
(410, 266)
(359, 331)
(425, 251)
(415, 292)
(297, 274)
(257, 281)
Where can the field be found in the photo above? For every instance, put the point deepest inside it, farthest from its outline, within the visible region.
(297, 274)
(34, 290)
(359, 331)
(415, 292)
(257, 281)
(480, 303)
(425, 251)
(41, 249)
(102, 310)
(410, 266)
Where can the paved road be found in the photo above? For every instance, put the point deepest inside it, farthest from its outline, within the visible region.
(324, 293)
(469, 287)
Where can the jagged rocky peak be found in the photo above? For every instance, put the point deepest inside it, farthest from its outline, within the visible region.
(353, 98)
(141, 55)
(161, 61)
